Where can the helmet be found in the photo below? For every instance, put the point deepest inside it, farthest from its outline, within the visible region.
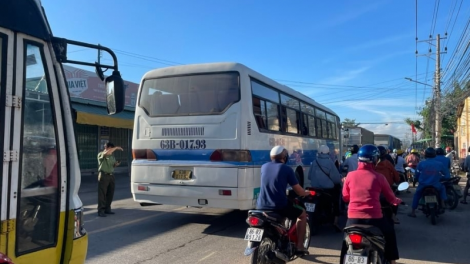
(324, 149)
(430, 153)
(276, 150)
(368, 153)
(414, 151)
(394, 150)
(354, 149)
(382, 150)
(440, 152)
(399, 152)
(448, 149)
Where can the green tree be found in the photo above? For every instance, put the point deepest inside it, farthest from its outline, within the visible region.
(349, 123)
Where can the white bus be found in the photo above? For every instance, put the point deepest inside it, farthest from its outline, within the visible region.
(202, 132)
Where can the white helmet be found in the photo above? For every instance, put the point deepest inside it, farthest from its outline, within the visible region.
(324, 149)
(276, 150)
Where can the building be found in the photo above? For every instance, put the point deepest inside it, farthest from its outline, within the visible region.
(93, 125)
(461, 136)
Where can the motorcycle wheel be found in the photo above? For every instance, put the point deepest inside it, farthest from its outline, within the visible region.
(452, 199)
(433, 212)
(307, 236)
(259, 256)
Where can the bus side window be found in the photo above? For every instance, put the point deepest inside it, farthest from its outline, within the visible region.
(259, 111)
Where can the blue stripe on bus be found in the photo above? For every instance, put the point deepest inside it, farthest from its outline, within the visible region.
(259, 157)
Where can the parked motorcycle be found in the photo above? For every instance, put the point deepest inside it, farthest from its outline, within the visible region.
(366, 243)
(453, 191)
(271, 237)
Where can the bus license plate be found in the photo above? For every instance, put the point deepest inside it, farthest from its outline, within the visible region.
(254, 234)
(430, 199)
(310, 207)
(353, 259)
(181, 174)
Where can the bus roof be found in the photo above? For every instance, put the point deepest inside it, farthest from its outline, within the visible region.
(225, 67)
(25, 16)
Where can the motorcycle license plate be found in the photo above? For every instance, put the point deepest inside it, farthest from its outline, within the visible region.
(254, 234)
(310, 207)
(430, 199)
(353, 259)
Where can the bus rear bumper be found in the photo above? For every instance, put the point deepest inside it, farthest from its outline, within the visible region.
(194, 196)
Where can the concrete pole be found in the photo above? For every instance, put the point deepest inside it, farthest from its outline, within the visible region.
(437, 102)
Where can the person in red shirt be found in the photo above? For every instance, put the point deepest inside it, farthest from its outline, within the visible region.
(362, 189)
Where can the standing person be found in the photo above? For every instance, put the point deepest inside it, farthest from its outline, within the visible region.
(106, 165)
(466, 167)
(362, 189)
(323, 174)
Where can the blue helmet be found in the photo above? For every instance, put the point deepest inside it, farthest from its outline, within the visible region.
(368, 153)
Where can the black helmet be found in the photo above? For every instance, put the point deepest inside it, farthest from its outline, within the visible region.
(382, 150)
(354, 149)
(440, 152)
(430, 153)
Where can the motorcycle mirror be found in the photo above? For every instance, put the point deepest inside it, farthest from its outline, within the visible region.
(403, 186)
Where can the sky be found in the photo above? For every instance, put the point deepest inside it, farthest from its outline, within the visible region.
(351, 56)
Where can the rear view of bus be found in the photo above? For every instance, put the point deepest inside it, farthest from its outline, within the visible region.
(186, 142)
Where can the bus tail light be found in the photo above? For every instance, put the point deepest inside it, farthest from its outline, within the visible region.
(147, 154)
(231, 155)
(143, 188)
(225, 192)
(79, 229)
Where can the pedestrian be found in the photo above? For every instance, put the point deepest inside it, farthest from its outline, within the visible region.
(106, 165)
(466, 167)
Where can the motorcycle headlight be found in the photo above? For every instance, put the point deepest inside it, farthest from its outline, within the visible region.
(79, 230)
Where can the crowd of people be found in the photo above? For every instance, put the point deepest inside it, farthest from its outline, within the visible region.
(367, 177)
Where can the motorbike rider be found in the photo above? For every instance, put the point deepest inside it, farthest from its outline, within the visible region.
(412, 161)
(428, 173)
(445, 160)
(351, 162)
(362, 189)
(450, 154)
(275, 176)
(387, 169)
(324, 175)
(400, 163)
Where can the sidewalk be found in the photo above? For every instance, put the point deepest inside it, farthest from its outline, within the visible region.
(89, 182)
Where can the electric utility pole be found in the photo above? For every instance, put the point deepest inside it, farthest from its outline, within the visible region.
(436, 102)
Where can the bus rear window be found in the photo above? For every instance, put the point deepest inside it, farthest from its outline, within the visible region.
(202, 94)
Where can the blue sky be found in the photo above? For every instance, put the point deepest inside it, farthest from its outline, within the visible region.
(351, 56)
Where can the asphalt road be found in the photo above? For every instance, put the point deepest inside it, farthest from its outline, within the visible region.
(176, 234)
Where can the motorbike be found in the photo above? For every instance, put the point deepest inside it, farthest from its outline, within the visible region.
(271, 237)
(430, 203)
(323, 212)
(365, 243)
(410, 173)
(453, 191)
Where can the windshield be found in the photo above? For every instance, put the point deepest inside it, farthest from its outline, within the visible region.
(200, 94)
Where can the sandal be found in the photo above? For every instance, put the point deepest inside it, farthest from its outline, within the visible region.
(463, 202)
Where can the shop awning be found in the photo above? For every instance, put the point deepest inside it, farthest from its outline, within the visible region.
(98, 115)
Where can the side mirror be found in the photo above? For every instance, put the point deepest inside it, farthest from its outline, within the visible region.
(403, 186)
(114, 93)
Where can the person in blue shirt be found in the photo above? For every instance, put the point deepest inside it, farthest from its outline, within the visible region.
(429, 173)
(440, 156)
(350, 164)
(275, 176)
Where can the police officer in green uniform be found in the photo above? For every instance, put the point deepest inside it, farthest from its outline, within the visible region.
(106, 165)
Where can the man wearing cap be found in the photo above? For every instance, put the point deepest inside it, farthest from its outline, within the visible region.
(275, 176)
(106, 165)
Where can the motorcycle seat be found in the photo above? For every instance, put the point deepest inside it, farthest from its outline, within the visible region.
(272, 214)
(365, 229)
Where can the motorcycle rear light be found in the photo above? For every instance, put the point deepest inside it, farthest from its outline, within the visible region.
(355, 239)
(254, 221)
(312, 193)
(231, 155)
(147, 154)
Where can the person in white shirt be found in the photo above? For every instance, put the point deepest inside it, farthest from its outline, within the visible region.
(350, 164)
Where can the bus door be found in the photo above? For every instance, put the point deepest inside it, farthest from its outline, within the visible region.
(34, 152)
